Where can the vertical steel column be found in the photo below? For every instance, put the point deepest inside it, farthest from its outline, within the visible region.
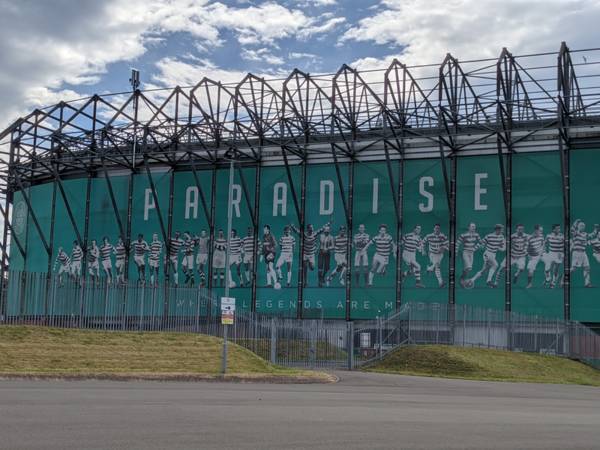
(452, 231)
(168, 243)
(211, 225)
(257, 177)
(349, 224)
(397, 196)
(302, 224)
(505, 81)
(563, 112)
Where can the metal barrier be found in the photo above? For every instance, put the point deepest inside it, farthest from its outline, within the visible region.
(36, 299)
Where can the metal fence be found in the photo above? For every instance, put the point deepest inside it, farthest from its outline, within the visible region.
(36, 299)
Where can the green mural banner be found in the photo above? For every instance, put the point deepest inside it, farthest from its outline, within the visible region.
(585, 235)
(242, 207)
(537, 240)
(145, 255)
(40, 197)
(325, 218)
(374, 257)
(426, 230)
(279, 263)
(480, 234)
(374, 240)
(20, 219)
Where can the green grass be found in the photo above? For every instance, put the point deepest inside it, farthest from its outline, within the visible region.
(42, 351)
(484, 364)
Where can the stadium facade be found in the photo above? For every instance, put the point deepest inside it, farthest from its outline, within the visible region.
(469, 182)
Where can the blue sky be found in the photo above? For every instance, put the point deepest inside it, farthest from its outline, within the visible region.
(63, 49)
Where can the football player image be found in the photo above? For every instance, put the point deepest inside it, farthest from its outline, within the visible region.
(202, 243)
(248, 258)
(268, 249)
(287, 243)
(156, 248)
(219, 257)
(235, 258)
(175, 244)
(361, 257)
(470, 241)
(493, 243)
(594, 241)
(76, 259)
(535, 251)
(326, 245)
(518, 254)
(93, 261)
(120, 255)
(579, 257)
(105, 257)
(411, 244)
(140, 247)
(554, 256)
(384, 245)
(340, 251)
(187, 264)
(309, 251)
(64, 265)
(437, 244)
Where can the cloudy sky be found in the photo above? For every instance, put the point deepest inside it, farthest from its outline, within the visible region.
(63, 49)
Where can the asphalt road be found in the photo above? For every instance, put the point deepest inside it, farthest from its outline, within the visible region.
(362, 411)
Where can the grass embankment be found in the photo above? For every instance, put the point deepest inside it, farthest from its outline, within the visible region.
(484, 364)
(67, 353)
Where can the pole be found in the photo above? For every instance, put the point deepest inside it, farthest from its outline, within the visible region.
(227, 268)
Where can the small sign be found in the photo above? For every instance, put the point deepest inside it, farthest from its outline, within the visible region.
(227, 310)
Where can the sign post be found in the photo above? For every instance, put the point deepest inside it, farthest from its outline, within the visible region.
(227, 310)
(226, 298)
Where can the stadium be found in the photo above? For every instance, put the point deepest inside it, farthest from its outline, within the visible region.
(463, 183)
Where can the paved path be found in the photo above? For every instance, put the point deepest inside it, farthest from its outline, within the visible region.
(363, 411)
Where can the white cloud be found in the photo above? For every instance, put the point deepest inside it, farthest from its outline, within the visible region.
(300, 55)
(477, 28)
(262, 55)
(45, 45)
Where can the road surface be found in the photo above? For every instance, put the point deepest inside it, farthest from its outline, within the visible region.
(362, 411)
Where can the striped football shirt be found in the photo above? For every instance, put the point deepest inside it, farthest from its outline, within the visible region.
(155, 250)
(188, 246)
(235, 245)
(77, 254)
(436, 242)
(595, 243)
(287, 243)
(248, 245)
(469, 241)
(175, 245)
(63, 258)
(556, 242)
(341, 245)
(412, 242)
(494, 243)
(105, 252)
(140, 248)
(383, 244)
(535, 245)
(120, 251)
(579, 241)
(221, 244)
(93, 254)
(361, 240)
(518, 245)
